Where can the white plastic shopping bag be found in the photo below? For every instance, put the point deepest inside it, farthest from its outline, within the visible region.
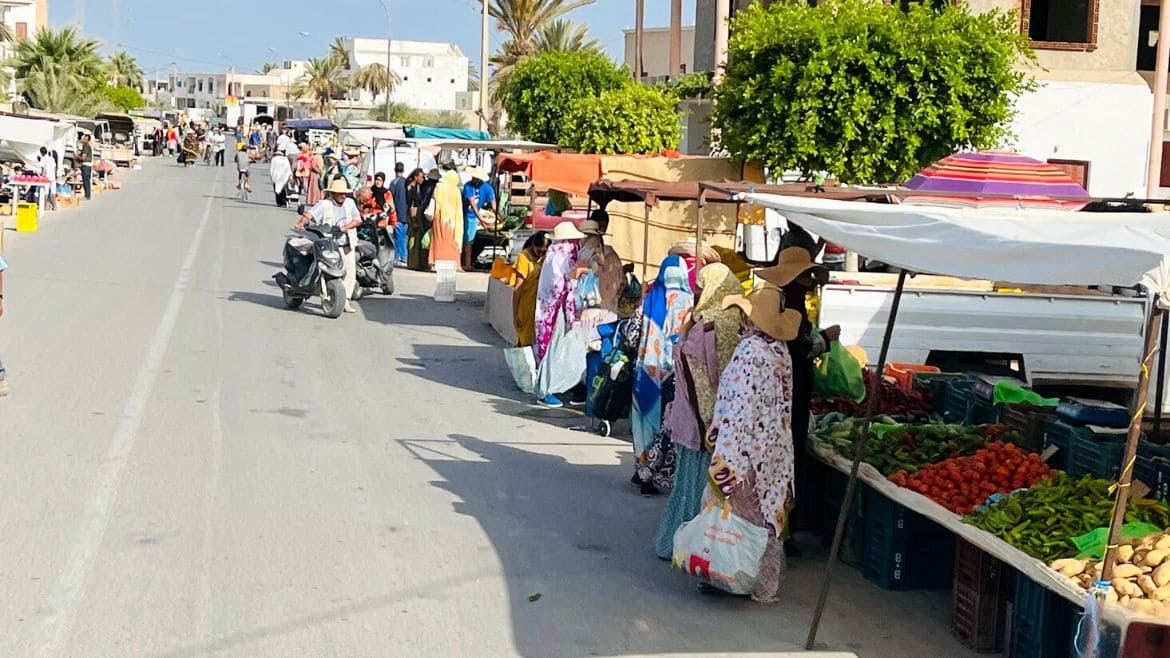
(522, 363)
(722, 548)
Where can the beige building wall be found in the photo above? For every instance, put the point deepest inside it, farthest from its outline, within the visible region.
(656, 50)
(42, 14)
(1116, 41)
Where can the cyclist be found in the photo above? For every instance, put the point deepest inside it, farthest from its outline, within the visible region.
(243, 164)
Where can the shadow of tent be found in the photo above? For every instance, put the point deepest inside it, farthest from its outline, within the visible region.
(407, 310)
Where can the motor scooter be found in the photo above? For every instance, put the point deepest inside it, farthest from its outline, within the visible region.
(375, 257)
(313, 268)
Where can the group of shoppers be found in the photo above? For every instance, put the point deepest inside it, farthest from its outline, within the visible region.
(722, 381)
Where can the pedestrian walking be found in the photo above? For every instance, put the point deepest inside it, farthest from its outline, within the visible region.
(49, 170)
(217, 140)
(85, 159)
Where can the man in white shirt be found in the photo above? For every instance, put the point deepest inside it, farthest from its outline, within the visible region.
(216, 139)
(338, 209)
(49, 170)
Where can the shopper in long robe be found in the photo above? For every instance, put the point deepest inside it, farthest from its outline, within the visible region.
(447, 229)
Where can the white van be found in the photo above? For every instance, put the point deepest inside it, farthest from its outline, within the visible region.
(386, 155)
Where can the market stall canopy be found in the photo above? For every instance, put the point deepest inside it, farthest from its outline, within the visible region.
(996, 179)
(425, 132)
(1035, 247)
(571, 173)
(309, 124)
(23, 137)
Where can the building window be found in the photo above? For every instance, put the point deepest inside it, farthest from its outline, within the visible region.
(22, 30)
(1061, 24)
(405, 78)
(452, 80)
(428, 79)
(1077, 169)
(200, 85)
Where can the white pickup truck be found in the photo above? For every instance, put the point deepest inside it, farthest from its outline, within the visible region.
(1059, 340)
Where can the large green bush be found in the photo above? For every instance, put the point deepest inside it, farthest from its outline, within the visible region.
(864, 90)
(544, 88)
(125, 98)
(633, 119)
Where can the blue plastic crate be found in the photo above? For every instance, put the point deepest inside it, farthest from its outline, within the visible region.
(959, 394)
(1154, 472)
(981, 412)
(1060, 434)
(1099, 457)
(905, 550)
(1041, 623)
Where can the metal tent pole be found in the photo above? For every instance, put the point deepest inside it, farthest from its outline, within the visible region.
(1135, 431)
(645, 242)
(1160, 385)
(871, 407)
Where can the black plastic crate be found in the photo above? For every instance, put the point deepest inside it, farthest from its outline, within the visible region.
(981, 412)
(1100, 458)
(1026, 423)
(1041, 623)
(853, 541)
(905, 550)
(982, 586)
(1154, 472)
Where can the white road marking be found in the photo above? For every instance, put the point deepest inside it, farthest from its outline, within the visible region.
(70, 591)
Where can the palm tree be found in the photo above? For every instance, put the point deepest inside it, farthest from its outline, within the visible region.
(472, 77)
(564, 35)
(338, 51)
(323, 79)
(373, 79)
(62, 51)
(268, 68)
(124, 71)
(6, 33)
(60, 92)
(523, 19)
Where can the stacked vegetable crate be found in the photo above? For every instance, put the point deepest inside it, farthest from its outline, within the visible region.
(1040, 622)
(982, 586)
(1152, 468)
(957, 401)
(903, 549)
(1027, 421)
(853, 541)
(1059, 434)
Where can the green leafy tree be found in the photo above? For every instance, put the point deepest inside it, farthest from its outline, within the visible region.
(124, 70)
(126, 98)
(323, 81)
(633, 119)
(545, 87)
(409, 116)
(864, 90)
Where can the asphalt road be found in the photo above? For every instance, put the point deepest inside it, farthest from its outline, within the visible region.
(191, 470)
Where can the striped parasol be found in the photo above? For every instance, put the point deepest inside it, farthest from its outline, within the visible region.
(996, 179)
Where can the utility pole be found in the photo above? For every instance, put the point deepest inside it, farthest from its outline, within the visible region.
(639, 39)
(389, 75)
(722, 14)
(483, 69)
(1158, 122)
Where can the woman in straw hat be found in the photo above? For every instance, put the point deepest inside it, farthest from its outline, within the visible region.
(666, 308)
(750, 437)
(447, 226)
(699, 360)
(796, 274)
(554, 293)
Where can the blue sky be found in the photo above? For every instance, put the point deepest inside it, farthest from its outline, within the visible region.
(209, 35)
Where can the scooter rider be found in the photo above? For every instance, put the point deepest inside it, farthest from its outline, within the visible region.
(339, 210)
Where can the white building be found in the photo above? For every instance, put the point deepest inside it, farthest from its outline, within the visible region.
(431, 76)
(23, 18)
(205, 94)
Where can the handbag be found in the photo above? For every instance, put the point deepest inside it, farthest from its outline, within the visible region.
(522, 364)
(722, 548)
(587, 294)
(563, 365)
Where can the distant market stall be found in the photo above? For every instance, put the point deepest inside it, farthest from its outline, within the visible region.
(1030, 247)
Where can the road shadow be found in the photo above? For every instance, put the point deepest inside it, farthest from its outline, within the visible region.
(258, 298)
(465, 315)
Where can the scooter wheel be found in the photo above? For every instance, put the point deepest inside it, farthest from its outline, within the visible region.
(292, 302)
(606, 428)
(388, 285)
(358, 293)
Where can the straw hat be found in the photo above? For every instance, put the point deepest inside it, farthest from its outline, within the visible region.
(351, 151)
(478, 173)
(765, 308)
(687, 248)
(566, 231)
(590, 227)
(794, 261)
(338, 186)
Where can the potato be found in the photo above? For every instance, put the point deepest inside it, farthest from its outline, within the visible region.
(1111, 596)
(1125, 554)
(1157, 556)
(1147, 585)
(1127, 588)
(1161, 594)
(1127, 571)
(1162, 575)
(1069, 567)
(1163, 542)
(1143, 606)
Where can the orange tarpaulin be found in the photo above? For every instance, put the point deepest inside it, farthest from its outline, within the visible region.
(571, 173)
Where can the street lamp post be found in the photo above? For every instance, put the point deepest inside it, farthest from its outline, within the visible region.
(388, 74)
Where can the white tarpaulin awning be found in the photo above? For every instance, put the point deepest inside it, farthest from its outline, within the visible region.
(25, 137)
(1035, 247)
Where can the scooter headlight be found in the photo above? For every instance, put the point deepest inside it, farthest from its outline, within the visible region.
(331, 253)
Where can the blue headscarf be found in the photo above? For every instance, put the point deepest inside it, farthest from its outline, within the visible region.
(665, 309)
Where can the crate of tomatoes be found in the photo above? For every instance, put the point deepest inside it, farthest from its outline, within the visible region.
(961, 484)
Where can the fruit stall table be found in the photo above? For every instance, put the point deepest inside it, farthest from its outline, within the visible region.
(39, 182)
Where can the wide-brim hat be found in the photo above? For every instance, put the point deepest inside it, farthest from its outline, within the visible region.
(765, 308)
(590, 227)
(687, 248)
(794, 261)
(339, 186)
(435, 174)
(566, 231)
(478, 173)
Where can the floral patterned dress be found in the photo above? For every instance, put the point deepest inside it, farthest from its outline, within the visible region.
(751, 442)
(555, 294)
